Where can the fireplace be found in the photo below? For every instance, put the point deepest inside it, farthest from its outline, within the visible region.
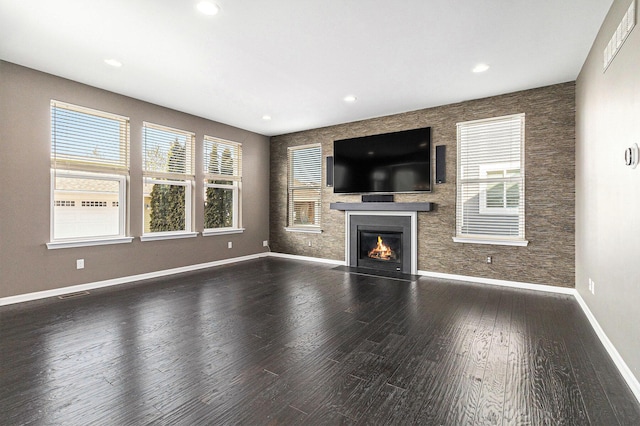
(381, 241)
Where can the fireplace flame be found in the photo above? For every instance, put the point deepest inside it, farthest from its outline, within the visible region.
(381, 251)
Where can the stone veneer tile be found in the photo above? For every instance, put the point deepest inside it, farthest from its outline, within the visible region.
(549, 190)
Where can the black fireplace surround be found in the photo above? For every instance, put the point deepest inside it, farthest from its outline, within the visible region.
(395, 232)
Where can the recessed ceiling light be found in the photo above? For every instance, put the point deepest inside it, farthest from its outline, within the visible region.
(113, 62)
(480, 68)
(266, 117)
(350, 98)
(208, 8)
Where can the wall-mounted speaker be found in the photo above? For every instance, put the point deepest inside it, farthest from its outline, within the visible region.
(329, 175)
(441, 164)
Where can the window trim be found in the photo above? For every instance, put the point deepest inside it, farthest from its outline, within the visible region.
(167, 235)
(222, 231)
(88, 243)
(81, 168)
(494, 239)
(308, 229)
(491, 241)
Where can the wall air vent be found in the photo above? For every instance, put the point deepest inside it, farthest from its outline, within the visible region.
(73, 295)
(620, 35)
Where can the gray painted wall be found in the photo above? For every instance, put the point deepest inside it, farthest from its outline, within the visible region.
(549, 190)
(607, 191)
(25, 263)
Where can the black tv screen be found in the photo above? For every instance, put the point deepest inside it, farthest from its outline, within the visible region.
(388, 163)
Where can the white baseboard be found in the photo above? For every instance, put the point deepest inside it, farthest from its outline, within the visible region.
(624, 369)
(501, 283)
(622, 366)
(307, 258)
(123, 280)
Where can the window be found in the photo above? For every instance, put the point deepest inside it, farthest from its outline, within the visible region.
(304, 188)
(168, 182)
(89, 160)
(222, 162)
(490, 199)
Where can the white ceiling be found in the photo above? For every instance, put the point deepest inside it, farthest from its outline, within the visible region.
(296, 60)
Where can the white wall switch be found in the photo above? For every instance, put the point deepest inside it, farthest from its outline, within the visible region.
(230, 244)
(80, 264)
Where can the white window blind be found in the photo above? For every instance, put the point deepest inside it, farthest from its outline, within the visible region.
(490, 186)
(88, 140)
(168, 153)
(304, 186)
(89, 160)
(222, 162)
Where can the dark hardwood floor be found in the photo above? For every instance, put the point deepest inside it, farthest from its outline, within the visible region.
(274, 341)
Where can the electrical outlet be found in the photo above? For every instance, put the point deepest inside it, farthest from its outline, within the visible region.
(489, 259)
(265, 243)
(80, 264)
(309, 243)
(592, 286)
(229, 244)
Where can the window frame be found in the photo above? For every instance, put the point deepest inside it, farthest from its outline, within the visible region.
(157, 177)
(234, 186)
(291, 225)
(485, 133)
(82, 168)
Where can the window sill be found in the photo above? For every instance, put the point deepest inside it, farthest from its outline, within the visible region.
(310, 230)
(87, 243)
(167, 236)
(222, 231)
(493, 241)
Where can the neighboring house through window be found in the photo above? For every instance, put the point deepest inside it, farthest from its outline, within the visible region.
(490, 185)
(89, 161)
(168, 172)
(304, 188)
(222, 161)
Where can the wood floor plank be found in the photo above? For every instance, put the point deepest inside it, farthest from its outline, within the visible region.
(434, 335)
(279, 341)
(517, 404)
(442, 402)
(489, 409)
(472, 377)
(555, 390)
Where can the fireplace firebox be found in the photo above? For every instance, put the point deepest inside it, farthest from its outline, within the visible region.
(380, 249)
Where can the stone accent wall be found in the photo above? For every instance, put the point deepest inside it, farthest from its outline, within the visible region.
(549, 190)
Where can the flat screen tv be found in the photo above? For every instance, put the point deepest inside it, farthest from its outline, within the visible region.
(387, 163)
